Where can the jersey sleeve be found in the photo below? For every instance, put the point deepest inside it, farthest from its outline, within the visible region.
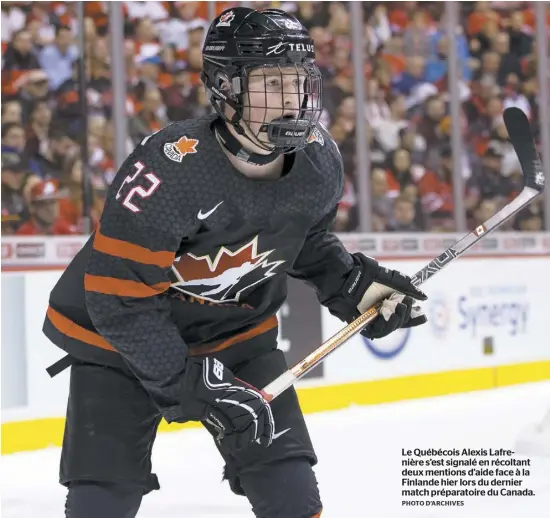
(126, 281)
(323, 262)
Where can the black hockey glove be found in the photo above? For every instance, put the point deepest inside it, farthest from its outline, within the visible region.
(370, 283)
(237, 410)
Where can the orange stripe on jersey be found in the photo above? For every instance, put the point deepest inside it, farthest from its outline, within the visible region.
(72, 330)
(261, 328)
(125, 250)
(318, 515)
(122, 288)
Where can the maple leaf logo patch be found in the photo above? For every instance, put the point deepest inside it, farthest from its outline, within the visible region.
(183, 146)
(316, 136)
(226, 276)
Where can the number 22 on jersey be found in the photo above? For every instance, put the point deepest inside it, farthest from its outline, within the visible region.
(138, 191)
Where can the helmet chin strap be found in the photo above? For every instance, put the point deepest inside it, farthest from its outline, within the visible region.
(232, 144)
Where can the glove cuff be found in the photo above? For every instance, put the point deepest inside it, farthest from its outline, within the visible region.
(360, 278)
(344, 304)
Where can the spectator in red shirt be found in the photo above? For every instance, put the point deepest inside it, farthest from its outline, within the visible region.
(44, 211)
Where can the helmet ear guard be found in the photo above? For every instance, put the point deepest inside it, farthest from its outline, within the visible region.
(222, 90)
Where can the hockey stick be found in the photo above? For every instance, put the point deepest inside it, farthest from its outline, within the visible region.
(522, 139)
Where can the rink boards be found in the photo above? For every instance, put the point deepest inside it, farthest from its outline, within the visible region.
(487, 328)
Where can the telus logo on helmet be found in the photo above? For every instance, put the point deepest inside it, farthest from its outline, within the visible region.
(293, 47)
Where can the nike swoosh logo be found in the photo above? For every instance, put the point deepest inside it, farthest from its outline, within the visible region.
(278, 434)
(200, 215)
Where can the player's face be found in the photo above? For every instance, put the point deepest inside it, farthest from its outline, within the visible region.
(273, 92)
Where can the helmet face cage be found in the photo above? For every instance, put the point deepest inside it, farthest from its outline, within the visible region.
(281, 104)
(261, 64)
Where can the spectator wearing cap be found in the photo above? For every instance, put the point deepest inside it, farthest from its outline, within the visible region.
(149, 73)
(57, 58)
(16, 174)
(33, 86)
(44, 212)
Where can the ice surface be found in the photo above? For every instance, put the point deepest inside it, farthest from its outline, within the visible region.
(359, 471)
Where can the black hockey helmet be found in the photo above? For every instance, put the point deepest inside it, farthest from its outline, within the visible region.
(273, 44)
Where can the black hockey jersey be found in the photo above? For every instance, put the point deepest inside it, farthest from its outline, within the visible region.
(191, 256)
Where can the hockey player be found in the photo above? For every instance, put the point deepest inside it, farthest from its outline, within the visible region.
(170, 308)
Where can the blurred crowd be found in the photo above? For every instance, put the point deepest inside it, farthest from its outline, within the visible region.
(406, 104)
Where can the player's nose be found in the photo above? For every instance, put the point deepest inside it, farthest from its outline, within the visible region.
(291, 104)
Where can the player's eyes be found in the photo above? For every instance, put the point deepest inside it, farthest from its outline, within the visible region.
(276, 83)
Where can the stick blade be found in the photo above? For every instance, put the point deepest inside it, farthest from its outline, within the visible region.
(521, 136)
